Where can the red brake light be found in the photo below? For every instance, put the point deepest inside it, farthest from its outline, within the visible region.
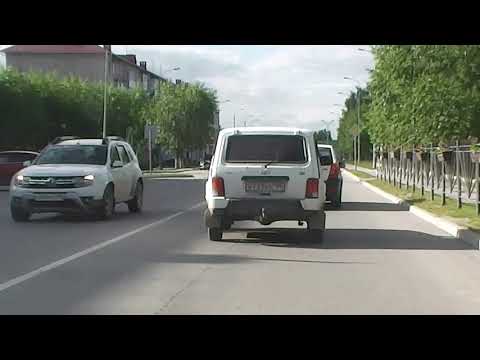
(312, 188)
(218, 187)
(334, 171)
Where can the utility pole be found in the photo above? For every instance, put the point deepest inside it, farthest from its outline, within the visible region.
(233, 120)
(108, 49)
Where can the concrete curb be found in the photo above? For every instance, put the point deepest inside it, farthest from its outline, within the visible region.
(460, 232)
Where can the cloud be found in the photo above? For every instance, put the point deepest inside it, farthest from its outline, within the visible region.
(276, 85)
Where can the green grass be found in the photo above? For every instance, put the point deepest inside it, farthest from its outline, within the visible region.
(361, 174)
(363, 163)
(466, 216)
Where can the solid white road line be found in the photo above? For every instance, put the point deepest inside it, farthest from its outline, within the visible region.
(90, 250)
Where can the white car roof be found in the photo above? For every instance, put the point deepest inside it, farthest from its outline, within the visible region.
(266, 130)
(81, 142)
(325, 146)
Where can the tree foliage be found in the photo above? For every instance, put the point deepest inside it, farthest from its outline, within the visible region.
(348, 125)
(185, 115)
(424, 94)
(35, 108)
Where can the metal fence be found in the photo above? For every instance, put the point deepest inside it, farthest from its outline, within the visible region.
(451, 172)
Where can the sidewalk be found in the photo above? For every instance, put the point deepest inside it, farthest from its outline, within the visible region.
(452, 195)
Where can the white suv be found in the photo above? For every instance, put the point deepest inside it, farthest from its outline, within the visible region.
(265, 174)
(85, 176)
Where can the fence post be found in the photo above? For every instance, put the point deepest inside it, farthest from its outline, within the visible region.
(443, 182)
(401, 169)
(389, 168)
(414, 178)
(477, 177)
(394, 161)
(459, 180)
(432, 173)
(422, 169)
(407, 172)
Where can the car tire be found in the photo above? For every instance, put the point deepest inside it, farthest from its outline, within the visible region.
(19, 214)
(337, 203)
(136, 204)
(108, 208)
(215, 234)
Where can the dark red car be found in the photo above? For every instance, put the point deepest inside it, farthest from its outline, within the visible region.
(11, 162)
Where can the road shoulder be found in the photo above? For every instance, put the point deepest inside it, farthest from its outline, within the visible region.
(460, 232)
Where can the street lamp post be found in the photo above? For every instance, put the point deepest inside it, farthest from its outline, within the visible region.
(176, 68)
(224, 102)
(108, 49)
(358, 118)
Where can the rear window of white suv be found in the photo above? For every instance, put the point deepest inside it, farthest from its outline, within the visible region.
(266, 148)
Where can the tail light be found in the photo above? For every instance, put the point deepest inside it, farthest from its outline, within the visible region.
(312, 189)
(218, 187)
(334, 171)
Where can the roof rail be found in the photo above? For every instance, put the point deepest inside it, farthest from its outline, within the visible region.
(59, 139)
(107, 139)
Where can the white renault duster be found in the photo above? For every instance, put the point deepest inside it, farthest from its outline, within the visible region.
(85, 176)
(265, 174)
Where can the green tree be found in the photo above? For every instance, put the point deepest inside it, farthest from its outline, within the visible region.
(323, 136)
(185, 115)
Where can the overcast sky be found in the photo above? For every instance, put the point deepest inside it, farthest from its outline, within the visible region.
(291, 85)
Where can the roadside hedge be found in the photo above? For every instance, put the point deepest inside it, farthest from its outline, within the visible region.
(35, 108)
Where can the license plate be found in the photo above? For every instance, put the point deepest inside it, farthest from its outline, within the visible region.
(264, 187)
(48, 197)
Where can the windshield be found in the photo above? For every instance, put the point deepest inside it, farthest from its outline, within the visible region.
(74, 154)
(266, 148)
(325, 152)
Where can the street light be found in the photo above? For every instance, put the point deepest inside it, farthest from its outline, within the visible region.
(245, 121)
(365, 50)
(172, 69)
(108, 50)
(358, 120)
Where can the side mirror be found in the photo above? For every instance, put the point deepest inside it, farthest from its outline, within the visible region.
(117, 164)
(27, 163)
(342, 164)
(325, 160)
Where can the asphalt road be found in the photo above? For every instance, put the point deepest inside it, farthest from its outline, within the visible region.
(376, 259)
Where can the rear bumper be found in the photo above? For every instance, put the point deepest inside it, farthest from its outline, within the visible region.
(71, 203)
(263, 211)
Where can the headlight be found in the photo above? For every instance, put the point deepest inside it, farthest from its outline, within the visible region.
(87, 180)
(21, 180)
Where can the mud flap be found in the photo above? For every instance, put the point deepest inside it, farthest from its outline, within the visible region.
(211, 221)
(317, 221)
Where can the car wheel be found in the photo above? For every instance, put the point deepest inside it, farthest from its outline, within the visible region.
(108, 207)
(337, 203)
(136, 204)
(19, 214)
(215, 234)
